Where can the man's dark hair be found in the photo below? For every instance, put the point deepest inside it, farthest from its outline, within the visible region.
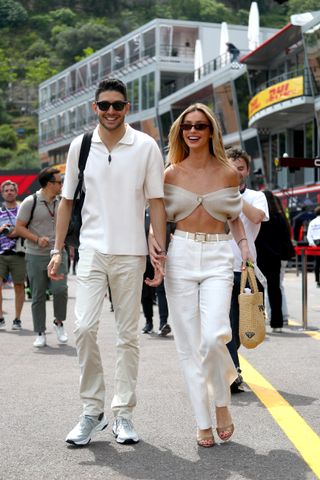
(317, 211)
(111, 84)
(46, 175)
(234, 153)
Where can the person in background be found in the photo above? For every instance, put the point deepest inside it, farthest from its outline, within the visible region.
(36, 222)
(274, 244)
(149, 293)
(201, 195)
(254, 211)
(12, 262)
(313, 236)
(234, 51)
(124, 171)
(284, 263)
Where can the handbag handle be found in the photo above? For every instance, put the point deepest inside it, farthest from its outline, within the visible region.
(248, 274)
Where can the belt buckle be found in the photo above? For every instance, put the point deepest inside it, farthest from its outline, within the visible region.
(200, 237)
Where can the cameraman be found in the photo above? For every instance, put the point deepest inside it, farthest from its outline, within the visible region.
(11, 261)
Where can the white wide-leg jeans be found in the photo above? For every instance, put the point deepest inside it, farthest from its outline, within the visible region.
(125, 275)
(198, 282)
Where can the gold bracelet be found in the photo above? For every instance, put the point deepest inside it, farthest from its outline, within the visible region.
(241, 239)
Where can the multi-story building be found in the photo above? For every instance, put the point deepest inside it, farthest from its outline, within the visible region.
(268, 101)
(284, 107)
(158, 64)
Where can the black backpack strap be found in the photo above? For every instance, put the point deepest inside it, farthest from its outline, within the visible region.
(84, 152)
(32, 209)
(83, 155)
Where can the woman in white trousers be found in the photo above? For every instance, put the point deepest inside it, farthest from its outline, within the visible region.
(201, 195)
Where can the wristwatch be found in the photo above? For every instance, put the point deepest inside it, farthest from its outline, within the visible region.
(55, 252)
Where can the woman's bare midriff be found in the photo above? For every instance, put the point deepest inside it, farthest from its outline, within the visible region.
(200, 221)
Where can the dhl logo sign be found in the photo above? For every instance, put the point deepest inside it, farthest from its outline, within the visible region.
(277, 93)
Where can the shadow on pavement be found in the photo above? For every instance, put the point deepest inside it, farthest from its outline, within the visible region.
(248, 397)
(222, 462)
(58, 350)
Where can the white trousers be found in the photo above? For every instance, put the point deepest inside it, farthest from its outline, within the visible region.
(125, 275)
(198, 282)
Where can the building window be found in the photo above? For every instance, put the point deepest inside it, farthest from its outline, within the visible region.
(312, 42)
(147, 94)
(243, 97)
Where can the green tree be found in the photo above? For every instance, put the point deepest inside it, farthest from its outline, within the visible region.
(73, 41)
(38, 70)
(6, 156)
(12, 14)
(302, 6)
(7, 74)
(8, 137)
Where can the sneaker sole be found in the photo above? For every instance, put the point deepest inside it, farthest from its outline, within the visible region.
(128, 441)
(16, 328)
(87, 440)
(165, 331)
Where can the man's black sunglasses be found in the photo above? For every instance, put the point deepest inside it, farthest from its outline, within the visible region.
(196, 126)
(118, 105)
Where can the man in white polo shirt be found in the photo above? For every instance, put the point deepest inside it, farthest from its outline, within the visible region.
(124, 170)
(254, 211)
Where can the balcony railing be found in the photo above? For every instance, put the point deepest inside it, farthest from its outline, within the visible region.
(287, 76)
(218, 63)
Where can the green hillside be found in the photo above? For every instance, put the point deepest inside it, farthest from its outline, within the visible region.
(40, 38)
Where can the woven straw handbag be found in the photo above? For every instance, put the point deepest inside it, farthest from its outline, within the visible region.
(252, 328)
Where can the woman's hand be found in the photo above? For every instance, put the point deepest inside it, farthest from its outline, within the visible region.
(54, 266)
(157, 279)
(246, 256)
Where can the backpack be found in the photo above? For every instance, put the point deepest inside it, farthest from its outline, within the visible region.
(73, 233)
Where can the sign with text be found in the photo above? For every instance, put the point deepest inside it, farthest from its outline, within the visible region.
(276, 93)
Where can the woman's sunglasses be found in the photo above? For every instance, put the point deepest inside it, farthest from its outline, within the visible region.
(196, 126)
(118, 105)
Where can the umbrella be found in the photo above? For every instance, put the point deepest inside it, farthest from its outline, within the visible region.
(254, 27)
(198, 60)
(224, 39)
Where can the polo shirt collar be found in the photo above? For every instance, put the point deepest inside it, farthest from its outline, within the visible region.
(42, 198)
(127, 139)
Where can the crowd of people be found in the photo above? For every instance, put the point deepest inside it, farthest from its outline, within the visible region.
(186, 251)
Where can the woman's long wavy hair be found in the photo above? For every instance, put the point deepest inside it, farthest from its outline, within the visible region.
(178, 149)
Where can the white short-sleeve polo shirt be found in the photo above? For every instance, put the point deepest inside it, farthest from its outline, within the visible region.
(258, 200)
(116, 191)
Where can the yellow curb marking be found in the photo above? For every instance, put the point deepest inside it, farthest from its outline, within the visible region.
(312, 333)
(297, 430)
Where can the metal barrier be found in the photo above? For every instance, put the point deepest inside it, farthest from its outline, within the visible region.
(304, 251)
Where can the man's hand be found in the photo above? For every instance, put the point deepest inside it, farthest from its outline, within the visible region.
(54, 266)
(157, 279)
(43, 242)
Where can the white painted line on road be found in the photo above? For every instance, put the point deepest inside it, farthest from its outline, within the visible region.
(306, 441)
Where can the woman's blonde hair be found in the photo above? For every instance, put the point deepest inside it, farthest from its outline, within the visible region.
(178, 149)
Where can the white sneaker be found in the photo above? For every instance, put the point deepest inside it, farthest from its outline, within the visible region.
(62, 336)
(124, 431)
(86, 428)
(40, 341)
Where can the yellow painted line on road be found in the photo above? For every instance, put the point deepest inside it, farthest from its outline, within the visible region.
(306, 441)
(312, 333)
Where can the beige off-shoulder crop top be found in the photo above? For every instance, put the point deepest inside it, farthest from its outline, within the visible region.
(224, 204)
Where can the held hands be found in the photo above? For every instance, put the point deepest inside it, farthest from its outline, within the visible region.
(157, 255)
(156, 280)
(54, 266)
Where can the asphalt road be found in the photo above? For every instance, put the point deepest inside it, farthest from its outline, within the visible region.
(277, 423)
